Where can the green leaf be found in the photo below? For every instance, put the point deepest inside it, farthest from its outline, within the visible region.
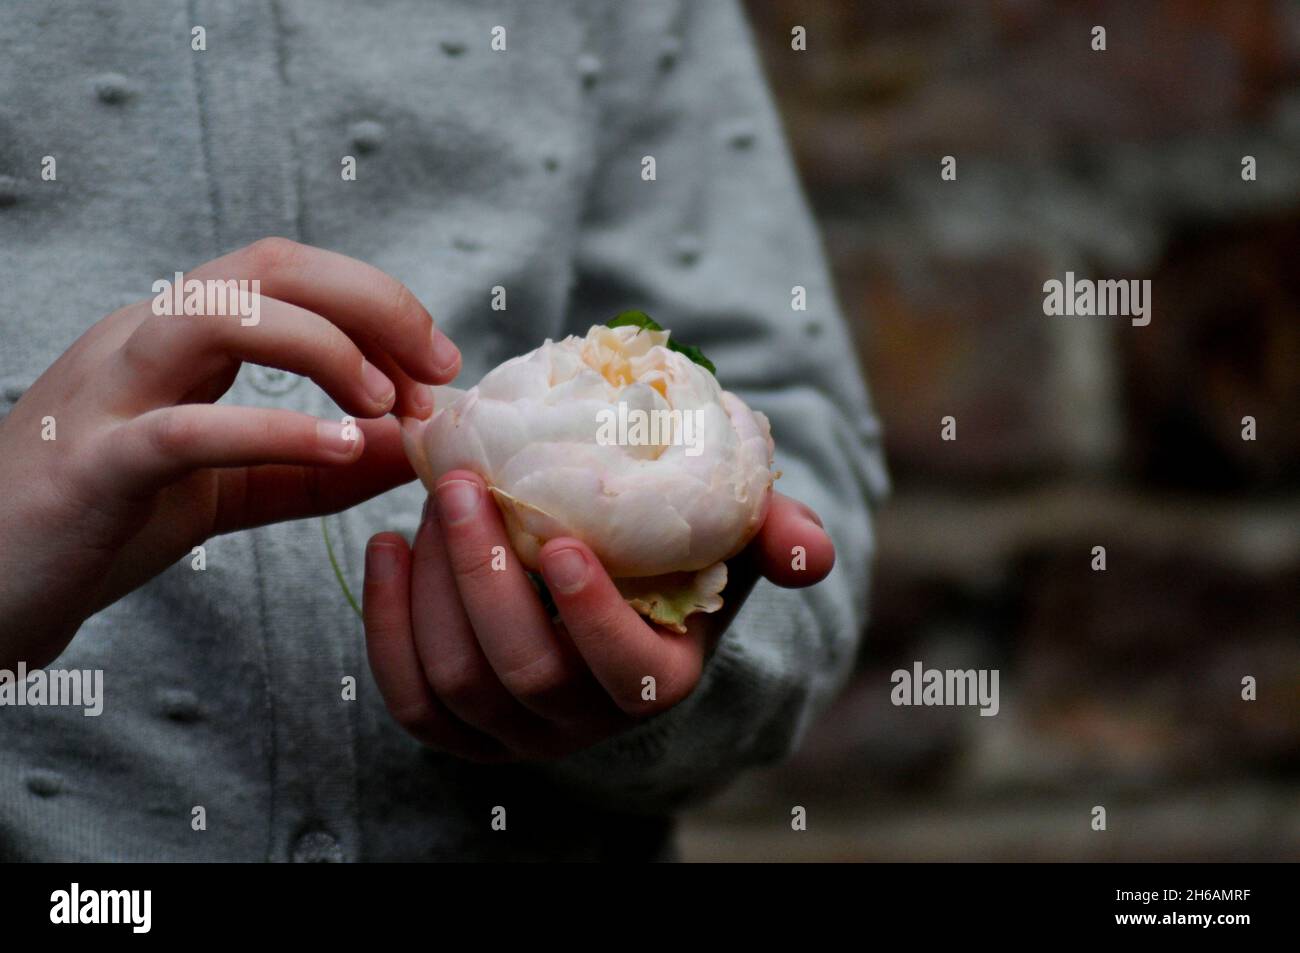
(695, 354)
(635, 319)
(639, 319)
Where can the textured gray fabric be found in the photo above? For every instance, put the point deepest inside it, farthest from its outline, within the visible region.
(475, 168)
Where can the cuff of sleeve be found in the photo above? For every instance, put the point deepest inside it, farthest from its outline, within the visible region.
(747, 709)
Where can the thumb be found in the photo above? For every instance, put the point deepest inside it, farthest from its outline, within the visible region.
(272, 494)
(793, 549)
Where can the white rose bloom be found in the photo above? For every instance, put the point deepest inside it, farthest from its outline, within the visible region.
(622, 443)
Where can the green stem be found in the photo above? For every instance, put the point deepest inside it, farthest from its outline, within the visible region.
(338, 572)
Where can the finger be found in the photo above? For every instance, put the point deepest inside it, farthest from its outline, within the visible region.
(536, 665)
(793, 549)
(367, 303)
(621, 648)
(156, 448)
(454, 663)
(413, 398)
(393, 660)
(166, 357)
(254, 496)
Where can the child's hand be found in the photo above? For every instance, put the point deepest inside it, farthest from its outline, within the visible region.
(143, 467)
(469, 662)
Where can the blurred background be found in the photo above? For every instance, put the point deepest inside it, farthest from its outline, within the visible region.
(1119, 688)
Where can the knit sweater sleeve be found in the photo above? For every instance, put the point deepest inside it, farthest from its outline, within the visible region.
(719, 247)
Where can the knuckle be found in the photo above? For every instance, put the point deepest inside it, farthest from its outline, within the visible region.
(472, 561)
(272, 254)
(340, 355)
(288, 431)
(173, 434)
(146, 350)
(409, 315)
(415, 716)
(603, 619)
(152, 328)
(425, 558)
(461, 685)
(81, 473)
(539, 683)
(403, 301)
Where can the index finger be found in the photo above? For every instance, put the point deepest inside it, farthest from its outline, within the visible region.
(367, 303)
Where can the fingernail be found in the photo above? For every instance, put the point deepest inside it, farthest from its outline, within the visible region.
(332, 437)
(446, 356)
(808, 513)
(566, 570)
(422, 400)
(457, 500)
(378, 387)
(381, 562)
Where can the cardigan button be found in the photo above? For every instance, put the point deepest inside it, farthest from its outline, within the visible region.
(10, 190)
(366, 135)
(271, 380)
(44, 783)
(178, 704)
(589, 68)
(669, 50)
(112, 88)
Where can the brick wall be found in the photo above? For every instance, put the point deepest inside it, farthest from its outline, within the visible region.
(1120, 688)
